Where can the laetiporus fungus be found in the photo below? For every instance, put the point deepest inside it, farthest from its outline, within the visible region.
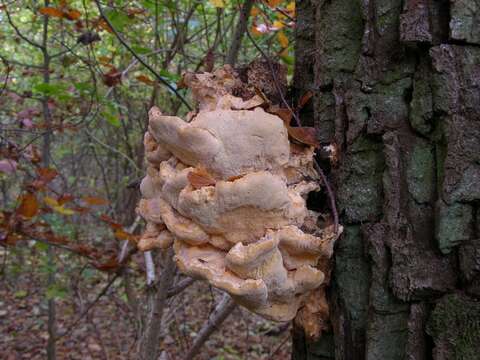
(227, 190)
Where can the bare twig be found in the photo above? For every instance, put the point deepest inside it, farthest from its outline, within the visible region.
(140, 60)
(112, 149)
(17, 30)
(221, 312)
(331, 195)
(239, 32)
(279, 347)
(150, 267)
(156, 301)
(178, 288)
(131, 230)
(91, 305)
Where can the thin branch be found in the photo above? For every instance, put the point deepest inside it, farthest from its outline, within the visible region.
(17, 30)
(90, 306)
(178, 288)
(124, 43)
(5, 83)
(131, 230)
(108, 147)
(14, 62)
(221, 312)
(239, 32)
(156, 303)
(150, 267)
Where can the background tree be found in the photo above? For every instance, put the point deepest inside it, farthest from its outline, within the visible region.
(397, 93)
(77, 79)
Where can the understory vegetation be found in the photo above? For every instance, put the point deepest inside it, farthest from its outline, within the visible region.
(77, 79)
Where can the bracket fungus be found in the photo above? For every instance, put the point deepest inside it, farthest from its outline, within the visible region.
(227, 189)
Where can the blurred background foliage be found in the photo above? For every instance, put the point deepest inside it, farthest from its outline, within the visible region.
(74, 97)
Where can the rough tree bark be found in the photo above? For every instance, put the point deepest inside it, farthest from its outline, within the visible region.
(397, 88)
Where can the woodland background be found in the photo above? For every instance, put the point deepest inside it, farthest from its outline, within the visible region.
(75, 88)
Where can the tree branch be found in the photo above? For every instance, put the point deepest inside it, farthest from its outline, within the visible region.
(178, 288)
(221, 312)
(239, 32)
(17, 30)
(140, 60)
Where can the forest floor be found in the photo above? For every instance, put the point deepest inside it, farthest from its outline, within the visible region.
(108, 331)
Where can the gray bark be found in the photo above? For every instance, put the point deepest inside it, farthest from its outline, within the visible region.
(397, 88)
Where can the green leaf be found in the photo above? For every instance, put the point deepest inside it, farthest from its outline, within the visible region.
(112, 119)
(149, 4)
(48, 89)
(110, 113)
(288, 60)
(41, 246)
(20, 294)
(83, 87)
(118, 19)
(170, 76)
(56, 291)
(57, 91)
(140, 50)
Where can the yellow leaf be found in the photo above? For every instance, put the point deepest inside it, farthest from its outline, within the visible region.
(282, 39)
(278, 25)
(50, 201)
(62, 210)
(273, 3)
(122, 234)
(284, 52)
(218, 3)
(291, 7)
(255, 11)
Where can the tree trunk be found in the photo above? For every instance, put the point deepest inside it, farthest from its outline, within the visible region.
(397, 89)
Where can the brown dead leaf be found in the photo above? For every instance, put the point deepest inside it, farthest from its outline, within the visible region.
(94, 201)
(283, 113)
(28, 205)
(304, 99)
(110, 221)
(305, 135)
(112, 78)
(102, 25)
(65, 198)
(47, 174)
(51, 11)
(121, 234)
(72, 14)
(236, 177)
(110, 265)
(145, 79)
(200, 178)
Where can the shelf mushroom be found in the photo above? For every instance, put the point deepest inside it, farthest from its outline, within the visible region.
(228, 190)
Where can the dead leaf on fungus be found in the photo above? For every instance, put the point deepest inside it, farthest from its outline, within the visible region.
(305, 135)
(200, 178)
